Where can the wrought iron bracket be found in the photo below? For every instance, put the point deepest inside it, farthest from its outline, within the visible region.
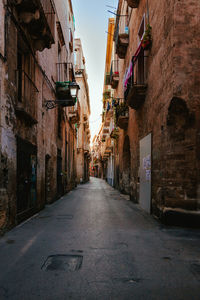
(50, 104)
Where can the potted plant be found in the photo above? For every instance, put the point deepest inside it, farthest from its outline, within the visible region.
(147, 38)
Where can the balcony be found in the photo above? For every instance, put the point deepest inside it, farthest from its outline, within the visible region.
(85, 117)
(107, 79)
(109, 145)
(133, 3)
(114, 133)
(135, 93)
(38, 19)
(107, 94)
(65, 75)
(114, 74)
(74, 116)
(105, 131)
(26, 104)
(122, 42)
(86, 125)
(122, 115)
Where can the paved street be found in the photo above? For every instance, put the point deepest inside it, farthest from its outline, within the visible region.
(95, 244)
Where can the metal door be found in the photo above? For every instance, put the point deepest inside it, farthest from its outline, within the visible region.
(145, 173)
(26, 178)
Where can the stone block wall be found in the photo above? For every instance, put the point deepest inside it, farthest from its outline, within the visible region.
(171, 108)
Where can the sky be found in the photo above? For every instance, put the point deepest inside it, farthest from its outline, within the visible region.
(91, 22)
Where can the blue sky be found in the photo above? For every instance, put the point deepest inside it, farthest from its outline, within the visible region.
(91, 19)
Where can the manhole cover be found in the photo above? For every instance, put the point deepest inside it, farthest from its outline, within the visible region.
(10, 241)
(59, 262)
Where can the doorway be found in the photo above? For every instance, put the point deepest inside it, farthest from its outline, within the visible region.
(126, 166)
(59, 174)
(26, 179)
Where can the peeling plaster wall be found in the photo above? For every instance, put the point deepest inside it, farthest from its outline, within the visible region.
(43, 135)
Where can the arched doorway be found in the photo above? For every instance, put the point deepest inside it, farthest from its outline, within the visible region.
(126, 166)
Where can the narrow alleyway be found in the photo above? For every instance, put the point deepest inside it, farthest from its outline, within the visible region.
(95, 244)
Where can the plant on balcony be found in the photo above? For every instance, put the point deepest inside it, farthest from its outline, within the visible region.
(147, 38)
(106, 94)
(114, 133)
(62, 88)
(122, 109)
(122, 114)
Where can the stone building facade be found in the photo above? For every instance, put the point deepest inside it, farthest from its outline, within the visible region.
(37, 144)
(156, 106)
(96, 165)
(83, 130)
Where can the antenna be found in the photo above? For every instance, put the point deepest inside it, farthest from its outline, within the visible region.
(117, 14)
(113, 13)
(111, 6)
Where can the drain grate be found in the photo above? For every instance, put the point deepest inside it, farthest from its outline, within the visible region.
(61, 262)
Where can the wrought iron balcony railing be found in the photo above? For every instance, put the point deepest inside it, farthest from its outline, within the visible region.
(121, 41)
(122, 114)
(107, 94)
(26, 104)
(107, 79)
(136, 86)
(114, 74)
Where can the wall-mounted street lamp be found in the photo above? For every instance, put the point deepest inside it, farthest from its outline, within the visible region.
(74, 88)
(66, 93)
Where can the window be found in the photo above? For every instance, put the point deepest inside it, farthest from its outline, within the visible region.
(140, 60)
(59, 53)
(141, 29)
(70, 40)
(25, 75)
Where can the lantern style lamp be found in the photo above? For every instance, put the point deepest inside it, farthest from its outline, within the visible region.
(74, 88)
(69, 94)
